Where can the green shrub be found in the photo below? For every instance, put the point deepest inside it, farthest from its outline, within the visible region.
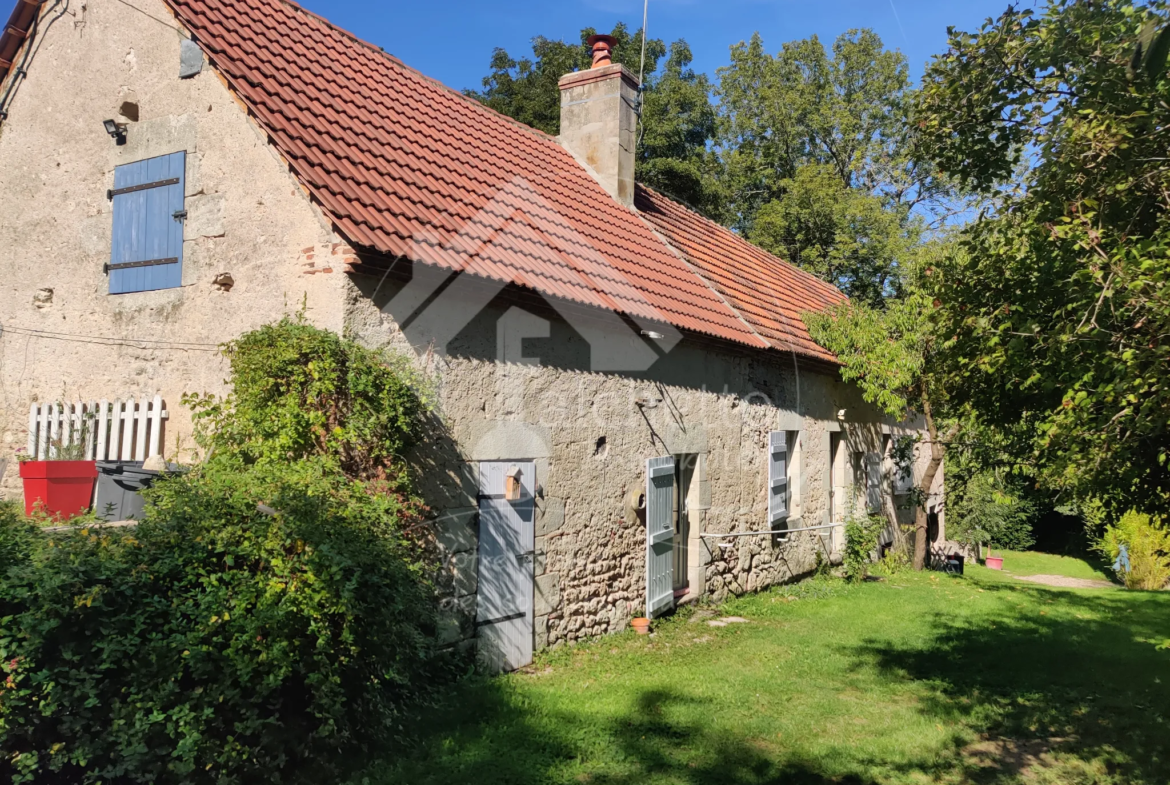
(1147, 541)
(299, 392)
(894, 563)
(270, 619)
(215, 643)
(861, 539)
(984, 507)
(16, 538)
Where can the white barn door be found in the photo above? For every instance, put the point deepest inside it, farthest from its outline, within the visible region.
(659, 536)
(506, 561)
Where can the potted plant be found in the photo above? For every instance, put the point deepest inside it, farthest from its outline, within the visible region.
(641, 625)
(62, 486)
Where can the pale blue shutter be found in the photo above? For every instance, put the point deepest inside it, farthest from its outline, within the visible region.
(777, 476)
(873, 481)
(147, 248)
(659, 536)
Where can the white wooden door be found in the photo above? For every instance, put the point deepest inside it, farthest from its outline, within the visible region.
(659, 536)
(506, 562)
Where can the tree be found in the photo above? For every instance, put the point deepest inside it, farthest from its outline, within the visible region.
(677, 120)
(988, 505)
(527, 89)
(818, 157)
(847, 236)
(890, 353)
(847, 112)
(1057, 316)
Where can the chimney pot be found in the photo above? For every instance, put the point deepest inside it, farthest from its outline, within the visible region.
(599, 120)
(602, 46)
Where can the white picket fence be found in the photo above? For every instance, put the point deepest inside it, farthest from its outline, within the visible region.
(125, 430)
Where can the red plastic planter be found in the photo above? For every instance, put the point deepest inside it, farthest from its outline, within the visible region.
(994, 562)
(62, 488)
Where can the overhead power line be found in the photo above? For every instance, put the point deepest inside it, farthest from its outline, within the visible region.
(108, 340)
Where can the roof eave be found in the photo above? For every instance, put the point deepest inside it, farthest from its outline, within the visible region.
(20, 21)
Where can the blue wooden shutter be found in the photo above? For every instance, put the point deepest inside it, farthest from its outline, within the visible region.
(777, 476)
(147, 248)
(659, 536)
(873, 481)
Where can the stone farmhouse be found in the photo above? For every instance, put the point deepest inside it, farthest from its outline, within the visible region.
(631, 413)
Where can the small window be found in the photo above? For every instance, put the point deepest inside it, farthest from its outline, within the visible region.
(783, 480)
(146, 252)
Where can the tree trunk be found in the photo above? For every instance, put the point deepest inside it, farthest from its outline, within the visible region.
(921, 516)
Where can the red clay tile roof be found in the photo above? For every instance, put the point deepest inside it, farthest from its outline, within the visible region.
(406, 167)
(23, 16)
(770, 294)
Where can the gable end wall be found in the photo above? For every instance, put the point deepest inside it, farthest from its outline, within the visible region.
(248, 218)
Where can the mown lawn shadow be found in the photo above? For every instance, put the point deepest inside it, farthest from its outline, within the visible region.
(487, 737)
(1071, 680)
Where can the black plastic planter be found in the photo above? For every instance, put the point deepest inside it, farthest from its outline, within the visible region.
(118, 490)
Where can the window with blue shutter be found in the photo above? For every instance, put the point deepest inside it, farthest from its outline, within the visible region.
(147, 248)
(659, 536)
(777, 477)
(873, 481)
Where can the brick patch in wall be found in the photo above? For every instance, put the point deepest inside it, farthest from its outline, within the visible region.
(309, 255)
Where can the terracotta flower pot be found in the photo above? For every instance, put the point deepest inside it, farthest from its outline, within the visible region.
(994, 562)
(62, 489)
(641, 626)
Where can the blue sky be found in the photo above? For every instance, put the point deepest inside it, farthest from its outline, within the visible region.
(452, 40)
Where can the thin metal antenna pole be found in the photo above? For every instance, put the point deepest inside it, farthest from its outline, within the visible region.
(642, 74)
(642, 67)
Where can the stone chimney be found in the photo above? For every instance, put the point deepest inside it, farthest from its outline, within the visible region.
(599, 120)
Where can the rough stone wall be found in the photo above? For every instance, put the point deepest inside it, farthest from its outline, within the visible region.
(715, 402)
(247, 217)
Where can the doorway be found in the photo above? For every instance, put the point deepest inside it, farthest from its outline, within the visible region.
(836, 478)
(684, 475)
(507, 514)
(838, 490)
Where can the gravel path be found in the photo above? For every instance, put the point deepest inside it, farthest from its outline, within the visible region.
(1067, 583)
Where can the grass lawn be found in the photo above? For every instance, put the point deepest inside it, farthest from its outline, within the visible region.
(917, 679)
(1046, 564)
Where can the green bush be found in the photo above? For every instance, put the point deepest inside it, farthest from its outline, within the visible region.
(984, 507)
(1147, 541)
(895, 562)
(861, 539)
(16, 540)
(215, 643)
(270, 619)
(298, 392)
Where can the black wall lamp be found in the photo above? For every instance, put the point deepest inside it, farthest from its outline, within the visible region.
(116, 130)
